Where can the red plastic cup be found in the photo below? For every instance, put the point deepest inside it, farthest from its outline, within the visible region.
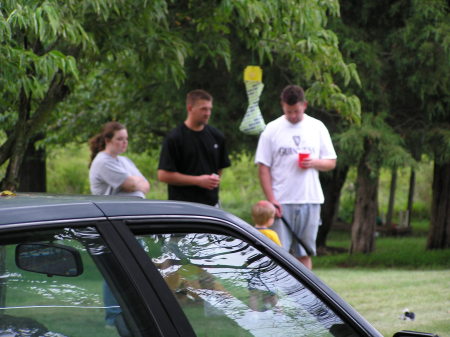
(301, 158)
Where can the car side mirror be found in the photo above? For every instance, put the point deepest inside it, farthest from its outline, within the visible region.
(50, 259)
(406, 333)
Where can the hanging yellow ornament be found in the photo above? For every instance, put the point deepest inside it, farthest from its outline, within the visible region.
(253, 121)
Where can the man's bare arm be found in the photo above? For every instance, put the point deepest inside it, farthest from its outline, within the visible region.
(207, 181)
(265, 179)
(319, 164)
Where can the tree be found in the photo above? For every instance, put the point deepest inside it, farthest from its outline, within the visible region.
(125, 60)
(40, 44)
(373, 143)
(273, 34)
(401, 49)
(439, 234)
(421, 53)
(47, 48)
(391, 203)
(333, 181)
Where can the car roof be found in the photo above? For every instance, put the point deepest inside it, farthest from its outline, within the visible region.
(34, 207)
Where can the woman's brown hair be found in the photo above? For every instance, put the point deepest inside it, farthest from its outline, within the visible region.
(98, 142)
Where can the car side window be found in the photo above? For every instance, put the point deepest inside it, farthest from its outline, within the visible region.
(227, 287)
(52, 284)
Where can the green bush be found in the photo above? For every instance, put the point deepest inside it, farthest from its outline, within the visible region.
(67, 170)
(422, 191)
(401, 252)
(240, 187)
(147, 163)
(347, 200)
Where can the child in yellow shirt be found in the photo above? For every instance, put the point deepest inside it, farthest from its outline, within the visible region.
(263, 214)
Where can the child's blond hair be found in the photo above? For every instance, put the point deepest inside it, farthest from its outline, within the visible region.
(262, 212)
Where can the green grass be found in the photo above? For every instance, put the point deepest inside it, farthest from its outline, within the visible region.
(68, 170)
(381, 295)
(400, 274)
(404, 252)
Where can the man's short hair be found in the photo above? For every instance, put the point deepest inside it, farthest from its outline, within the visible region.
(262, 212)
(292, 94)
(198, 94)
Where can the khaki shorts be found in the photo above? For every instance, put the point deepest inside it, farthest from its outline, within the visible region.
(304, 220)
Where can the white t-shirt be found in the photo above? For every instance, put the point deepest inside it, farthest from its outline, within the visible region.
(107, 174)
(278, 148)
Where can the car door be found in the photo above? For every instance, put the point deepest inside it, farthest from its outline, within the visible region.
(232, 282)
(74, 278)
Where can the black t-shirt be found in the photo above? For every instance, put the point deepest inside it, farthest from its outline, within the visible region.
(194, 153)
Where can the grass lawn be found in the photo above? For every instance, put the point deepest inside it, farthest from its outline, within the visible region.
(381, 295)
(400, 274)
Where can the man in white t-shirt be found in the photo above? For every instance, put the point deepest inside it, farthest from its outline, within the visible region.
(293, 186)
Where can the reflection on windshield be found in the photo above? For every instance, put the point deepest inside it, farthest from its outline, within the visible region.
(232, 284)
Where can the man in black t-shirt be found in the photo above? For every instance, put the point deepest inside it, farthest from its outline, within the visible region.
(194, 154)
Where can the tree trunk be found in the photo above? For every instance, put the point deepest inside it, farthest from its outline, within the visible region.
(366, 207)
(33, 171)
(391, 204)
(439, 234)
(27, 126)
(10, 181)
(19, 144)
(332, 183)
(412, 186)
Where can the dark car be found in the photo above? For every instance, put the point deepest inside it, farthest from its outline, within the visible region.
(104, 266)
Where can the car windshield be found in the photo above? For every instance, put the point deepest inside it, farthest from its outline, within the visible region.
(227, 287)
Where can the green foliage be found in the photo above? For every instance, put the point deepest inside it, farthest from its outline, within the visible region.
(148, 165)
(426, 36)
(422, 193)
(439, 140)
(387, 146)
(67, 170)
(69, 67)
(420, 52)
(401, 51)
(329, 95)
(391, 252)
(199, 44)
(240, 187)
(347, 199)
(35, 46)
